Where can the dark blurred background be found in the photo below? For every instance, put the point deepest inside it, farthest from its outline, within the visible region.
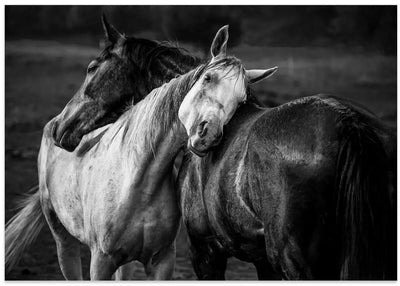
(348, 51)
(370, 27)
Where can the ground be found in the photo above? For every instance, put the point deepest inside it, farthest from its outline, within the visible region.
(41, 76)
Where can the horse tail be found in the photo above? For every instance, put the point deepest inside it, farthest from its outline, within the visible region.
(23, 228)
(363, 212)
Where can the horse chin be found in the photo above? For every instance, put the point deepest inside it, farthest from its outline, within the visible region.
(195, 151)
(68, 142)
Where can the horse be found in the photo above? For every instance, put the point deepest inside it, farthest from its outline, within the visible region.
(305, 190)
(125, 71)
(117, 196)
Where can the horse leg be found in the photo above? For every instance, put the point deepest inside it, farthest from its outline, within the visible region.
(68, 247)
(265, 270)
(102, 266)
(294, 265)
(161, 266)
(125, 272)
(208, 262)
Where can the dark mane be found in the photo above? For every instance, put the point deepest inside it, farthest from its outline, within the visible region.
(144, 53)
(171, 50)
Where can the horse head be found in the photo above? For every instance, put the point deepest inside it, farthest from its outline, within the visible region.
(214, 98)
(126, 70)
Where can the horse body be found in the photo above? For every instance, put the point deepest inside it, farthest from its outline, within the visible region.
(267, 194)
(117, 201)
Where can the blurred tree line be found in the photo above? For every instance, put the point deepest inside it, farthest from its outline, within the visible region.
(371, 27)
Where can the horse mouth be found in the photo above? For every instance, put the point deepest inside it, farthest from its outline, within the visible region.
(195, 151)
(66, 143)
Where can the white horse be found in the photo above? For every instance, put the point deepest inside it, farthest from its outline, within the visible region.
(115, 192)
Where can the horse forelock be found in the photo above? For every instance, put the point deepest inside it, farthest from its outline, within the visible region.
(228, 64)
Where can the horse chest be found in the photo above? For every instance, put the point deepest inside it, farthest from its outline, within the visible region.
(213, 207)
(231, 217)
(134, 226)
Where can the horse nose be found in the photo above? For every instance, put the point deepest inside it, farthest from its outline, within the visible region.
(202, 129)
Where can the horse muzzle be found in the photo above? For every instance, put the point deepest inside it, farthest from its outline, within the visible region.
(207, 135)
(65, 138)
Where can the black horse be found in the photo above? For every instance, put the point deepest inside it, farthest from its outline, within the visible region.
(304, 191)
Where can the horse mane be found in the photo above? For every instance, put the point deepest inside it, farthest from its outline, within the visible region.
(158, 112)
(171, 49)
(144, 52)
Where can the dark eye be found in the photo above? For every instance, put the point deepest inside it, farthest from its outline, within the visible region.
(207, 77)
(92, 67)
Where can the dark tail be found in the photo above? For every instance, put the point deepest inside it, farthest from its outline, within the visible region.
(364, 217)
(23, 228)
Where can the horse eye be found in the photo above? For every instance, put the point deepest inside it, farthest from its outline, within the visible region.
(207, 77)
(92, 67)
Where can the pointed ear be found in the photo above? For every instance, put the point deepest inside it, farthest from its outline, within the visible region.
(112, 35)
(218, 46)
(254, 76)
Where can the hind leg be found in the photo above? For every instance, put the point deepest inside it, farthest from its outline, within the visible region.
(294, 265)
(102, 266)
(265, 270)
(161, 266)
(125, 272)
(69, 257)
(208, 262)
(68, 247)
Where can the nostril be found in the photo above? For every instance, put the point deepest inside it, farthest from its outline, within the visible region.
(202, 129)
(201, 125)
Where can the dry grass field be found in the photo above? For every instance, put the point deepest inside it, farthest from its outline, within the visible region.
(42, 76)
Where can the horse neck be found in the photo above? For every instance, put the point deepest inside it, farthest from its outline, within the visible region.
(152, 137)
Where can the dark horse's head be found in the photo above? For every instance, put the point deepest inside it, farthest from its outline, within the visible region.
(126, 71)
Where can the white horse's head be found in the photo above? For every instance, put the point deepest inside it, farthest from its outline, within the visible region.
(216, 95)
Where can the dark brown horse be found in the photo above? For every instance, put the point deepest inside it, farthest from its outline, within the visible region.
(301, 190)
(126, 70)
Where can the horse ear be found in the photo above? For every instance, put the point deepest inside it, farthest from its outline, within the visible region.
(254, 76)
(112, 35)
(218, 46)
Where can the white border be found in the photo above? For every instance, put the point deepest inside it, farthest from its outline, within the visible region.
(165, 2)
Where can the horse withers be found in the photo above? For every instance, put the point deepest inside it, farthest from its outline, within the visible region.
(118, 197)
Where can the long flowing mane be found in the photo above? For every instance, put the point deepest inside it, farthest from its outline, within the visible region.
(158, 112)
